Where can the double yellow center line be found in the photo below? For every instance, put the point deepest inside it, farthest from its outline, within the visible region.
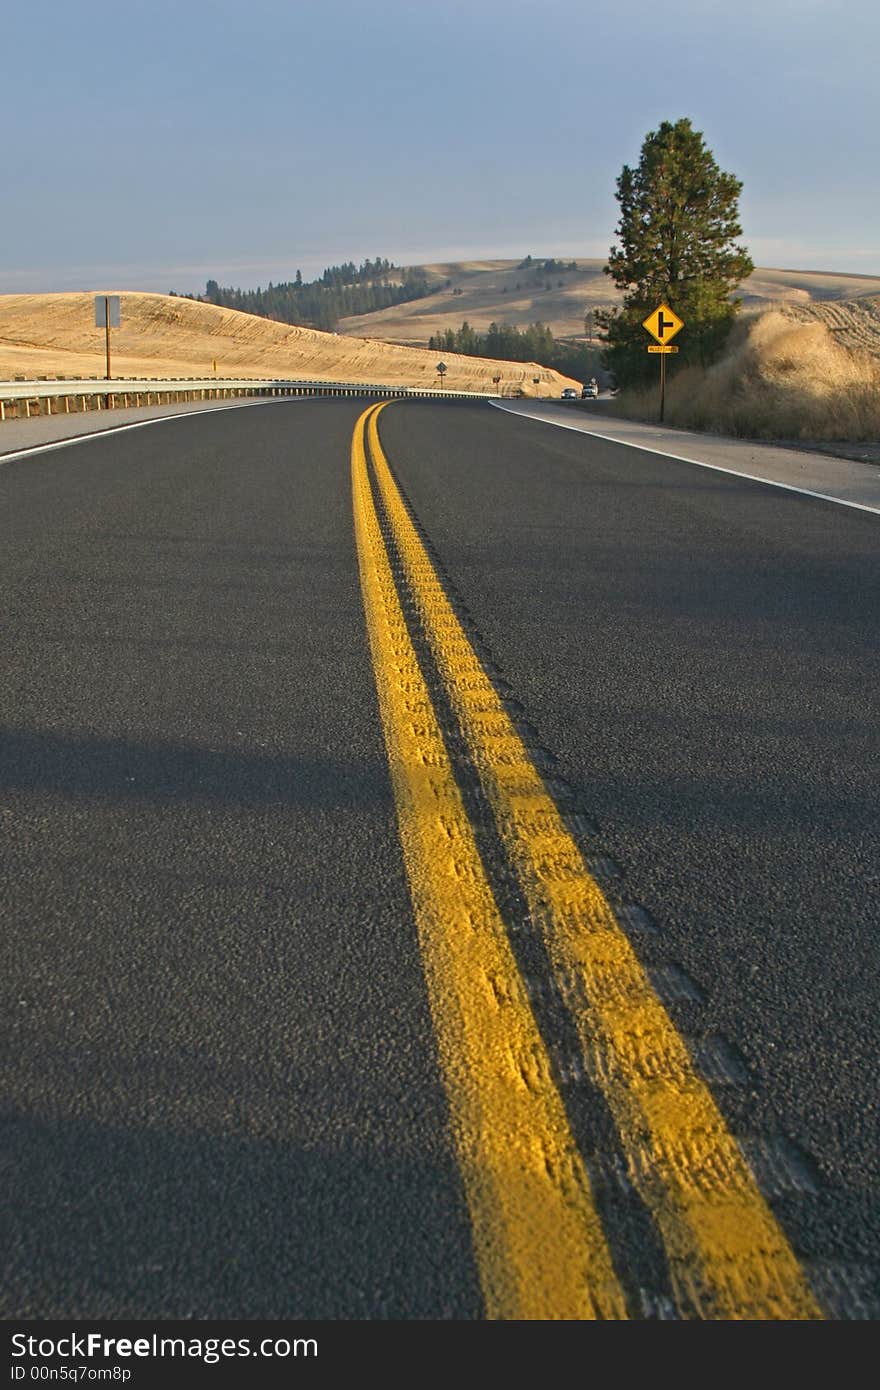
(540, 1245)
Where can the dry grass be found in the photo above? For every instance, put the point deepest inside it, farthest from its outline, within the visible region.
(854, 324)
(54, 335)
(782, 377)
(488, 291)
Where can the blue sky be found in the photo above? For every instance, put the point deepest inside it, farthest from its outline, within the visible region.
(150, 144)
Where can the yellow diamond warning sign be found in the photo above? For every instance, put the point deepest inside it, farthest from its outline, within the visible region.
(663, 324)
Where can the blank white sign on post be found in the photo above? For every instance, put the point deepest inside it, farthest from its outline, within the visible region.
(112, 303)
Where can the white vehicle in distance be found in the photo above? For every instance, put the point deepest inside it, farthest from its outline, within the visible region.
(590, 391)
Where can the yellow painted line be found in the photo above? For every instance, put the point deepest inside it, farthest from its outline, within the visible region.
(539, 1244)
(728, 1256)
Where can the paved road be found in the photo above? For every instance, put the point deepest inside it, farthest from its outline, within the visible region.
(248, 1070)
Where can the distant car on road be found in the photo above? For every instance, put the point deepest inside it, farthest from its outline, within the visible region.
(569, 394)
(590, 391)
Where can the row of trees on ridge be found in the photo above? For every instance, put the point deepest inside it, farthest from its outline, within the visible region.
(340, 292)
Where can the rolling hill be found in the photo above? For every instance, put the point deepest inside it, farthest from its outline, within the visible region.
(506, 293)
(162, 335)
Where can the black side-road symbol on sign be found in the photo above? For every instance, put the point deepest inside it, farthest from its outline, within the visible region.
(663, 323)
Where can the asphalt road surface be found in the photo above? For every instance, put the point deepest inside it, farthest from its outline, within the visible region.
(439, 876)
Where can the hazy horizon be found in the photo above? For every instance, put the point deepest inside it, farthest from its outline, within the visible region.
(158, 145)
(253, 276)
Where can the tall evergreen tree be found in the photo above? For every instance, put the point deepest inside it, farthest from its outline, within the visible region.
(679, 216)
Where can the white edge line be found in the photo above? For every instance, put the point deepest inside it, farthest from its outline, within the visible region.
(698, 463)
(139, 424)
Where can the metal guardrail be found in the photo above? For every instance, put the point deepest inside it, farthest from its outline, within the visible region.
(65, 396)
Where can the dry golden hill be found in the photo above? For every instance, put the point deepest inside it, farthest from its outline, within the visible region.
(160, 335)
(484, 292)
(506, 293)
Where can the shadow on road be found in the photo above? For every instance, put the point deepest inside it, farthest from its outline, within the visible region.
(121, 770)
(145, 1223)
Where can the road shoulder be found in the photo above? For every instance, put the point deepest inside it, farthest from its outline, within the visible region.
(843, 481)
(20, 436)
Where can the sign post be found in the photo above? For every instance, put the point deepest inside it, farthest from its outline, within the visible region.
(107, 317)
(663, 324)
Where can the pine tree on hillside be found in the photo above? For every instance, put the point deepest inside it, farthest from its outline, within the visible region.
(679, 216)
